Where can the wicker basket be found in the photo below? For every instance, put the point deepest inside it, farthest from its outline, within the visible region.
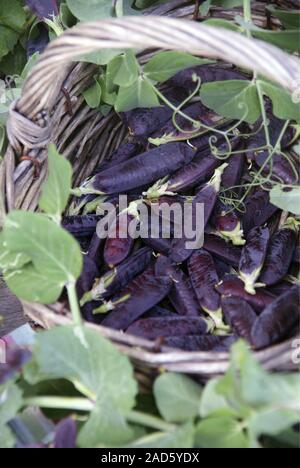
(86, 138)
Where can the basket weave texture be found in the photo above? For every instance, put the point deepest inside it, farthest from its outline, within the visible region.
(86, 138)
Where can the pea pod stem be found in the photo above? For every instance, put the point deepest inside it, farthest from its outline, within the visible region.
(110, 305)
(235, 236)
(217, 318)
(86, 405)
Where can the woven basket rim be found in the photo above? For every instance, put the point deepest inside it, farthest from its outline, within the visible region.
(39, 93)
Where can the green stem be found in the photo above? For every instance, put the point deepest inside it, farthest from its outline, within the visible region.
(85, 405)
(263, 112)
(63, 403)
(74, 304)
(148, 420)
(272, 151)
(247, 15)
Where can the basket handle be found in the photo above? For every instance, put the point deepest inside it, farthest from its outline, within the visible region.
(43, 85)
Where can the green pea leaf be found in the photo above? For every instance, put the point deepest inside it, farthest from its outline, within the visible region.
(105, 425)
(139, 94)
(124, 8)
(7, 439)
(14, 62)
(272, 421)
(124, 69)
(32, 285)
(100, 57)
(12, 14)
(52, 250)
(28, 67)
(67, 18)
(9, 260)
(255, 387)
(287, 40)
(221, 23)
(236, 99)
(164, 65)
(213, 402)
(221, 432)
(286, 200)
(97, 370)
(284, 106)
(205, 7)
(9, 39)
(56, 190)
(90, 10)
(93, 94)
(108, 94)
(7, 96)
(290, 19)
(182, 437)
(177, 397)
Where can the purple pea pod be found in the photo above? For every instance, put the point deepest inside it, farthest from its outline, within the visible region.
(222, 268)
(44, 9)
(153, 328)
(191, 175)
(232, 285)
(88, 275)
(81, 226)
(139, 171)
(119, 242)
(65, 434)
(282, 167)
(280, 288)
(117, 279)
(160, 245)
(275, 128)
(239, 315)
(207, 74)
(153, 234)
(158, 311)
(296, 255)
(204, 279)
(199, 170)
(16, 358)
(258, 210)
(233, 173)
(142, 122)
(280, 253)
(95, 248)
(204, 343)
(143, 293)
(227, 224)
(226, 252)
(253, 257)
(123, 153)
(277, 320)
(203, 141)
(182, 295)
(38, 40)
(196, 111)
(208, 197)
